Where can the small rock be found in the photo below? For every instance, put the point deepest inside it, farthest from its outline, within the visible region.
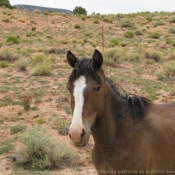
(55, 87)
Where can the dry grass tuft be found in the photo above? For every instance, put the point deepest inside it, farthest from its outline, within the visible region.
(38, 150)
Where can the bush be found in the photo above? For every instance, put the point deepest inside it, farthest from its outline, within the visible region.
(4, 64)
(123, 44)
(6, 19)
(38, 59)
(23, 20)
(6, 146)
(149, 19)
(17, 128)
(77, 26)
(83, 17)
(154, 55)
(22, 63)
(96, 21)
(169, 68)
(160, 76)
(44, 68)
(37, 11)
(159, 23)
(113, 56)
(127, 23)
(115, 41)
(106, 19)
(46, 12)
(172, 20)
(171, 30)
(129, 34)
(8, 55)
(13, 39)
(133, 56)
(38, 150)
(139, 32)
(155, 35)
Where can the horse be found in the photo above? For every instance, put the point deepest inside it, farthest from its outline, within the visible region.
(132, 135)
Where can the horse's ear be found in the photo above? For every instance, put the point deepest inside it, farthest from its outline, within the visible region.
(71, 58)
(97, 59)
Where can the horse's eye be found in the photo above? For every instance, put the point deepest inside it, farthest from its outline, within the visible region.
(98, 88)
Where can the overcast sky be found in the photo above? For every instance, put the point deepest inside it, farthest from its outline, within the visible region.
(105, 6)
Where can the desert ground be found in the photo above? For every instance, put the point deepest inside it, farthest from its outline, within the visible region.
(138, 55)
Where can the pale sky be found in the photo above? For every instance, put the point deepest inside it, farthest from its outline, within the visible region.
(105, 6)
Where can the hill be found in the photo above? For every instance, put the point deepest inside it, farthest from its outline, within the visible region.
(33, 7)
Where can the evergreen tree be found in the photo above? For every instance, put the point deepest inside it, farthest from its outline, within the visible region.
(80, 10)
(5, 3)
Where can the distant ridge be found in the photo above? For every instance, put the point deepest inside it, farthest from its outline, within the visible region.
(33, 7)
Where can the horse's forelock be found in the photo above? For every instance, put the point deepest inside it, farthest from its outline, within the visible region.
(84, 67)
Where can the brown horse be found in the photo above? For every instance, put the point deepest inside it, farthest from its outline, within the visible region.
(131, 134)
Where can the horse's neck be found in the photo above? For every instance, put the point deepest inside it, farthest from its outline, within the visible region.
(110, 121)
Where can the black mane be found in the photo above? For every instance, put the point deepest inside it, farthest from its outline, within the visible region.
(136, 104)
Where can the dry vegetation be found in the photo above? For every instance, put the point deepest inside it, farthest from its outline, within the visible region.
(139, 55)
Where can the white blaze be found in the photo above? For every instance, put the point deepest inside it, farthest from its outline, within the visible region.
(79, 86)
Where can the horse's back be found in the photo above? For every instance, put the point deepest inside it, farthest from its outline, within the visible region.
(160, 129)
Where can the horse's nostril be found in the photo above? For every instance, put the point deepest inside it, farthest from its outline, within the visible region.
(83, 132)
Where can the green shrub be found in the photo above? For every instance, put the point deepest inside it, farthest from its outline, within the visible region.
(129, 34)
(96, 21)
(115, 41)
(113, 56)
(127, 23)
(133, 56)
(171, 30)
(154, 55)
(169, 68)
(4, 64)
(42, 69)
(39, 58)
(149, 19)
(107, 19)
(17, 128)
(8, 55)
(139, 32)
(6, 146)
(160, 76)
(172, 20)
(38, 150)
(77, 26)
(6, 19)
(12, 39)
(83, 17)
(155, 35)
(22, 63)
(159, 23)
